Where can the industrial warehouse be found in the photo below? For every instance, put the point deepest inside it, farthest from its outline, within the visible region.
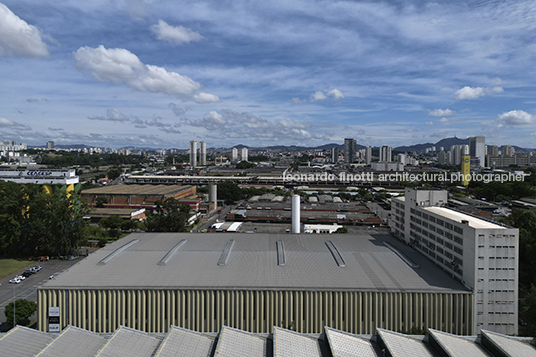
(253, 282)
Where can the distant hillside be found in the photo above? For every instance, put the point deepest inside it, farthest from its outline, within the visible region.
(445, 143)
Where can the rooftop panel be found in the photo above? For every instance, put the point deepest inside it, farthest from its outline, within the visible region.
(185, 343)
(23, 342)
(238, 343)
(129, 342)
(343, 344)
(87, 343)
(509, 346)
(402, 345)
(292, 344)
(456, 346)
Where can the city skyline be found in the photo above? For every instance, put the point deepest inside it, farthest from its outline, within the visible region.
(160, 74)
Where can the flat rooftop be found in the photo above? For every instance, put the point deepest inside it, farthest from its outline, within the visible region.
(474, 222)
(255, 262)
(137, 190)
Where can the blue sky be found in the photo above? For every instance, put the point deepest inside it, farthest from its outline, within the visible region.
(161, 73)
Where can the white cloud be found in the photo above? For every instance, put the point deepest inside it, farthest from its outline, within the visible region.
(429, 123)
(443, 120)
(206, 98)
(476, 92)
(298, 100)
(18, 38)
(441, 112)
(111, 115)
(119, 65)
(517, 117)
(178, 34)
(316, 96)
(336, 94)
(8, 124)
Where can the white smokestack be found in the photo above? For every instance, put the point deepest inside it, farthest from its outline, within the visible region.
(213, 194)
(295, 214)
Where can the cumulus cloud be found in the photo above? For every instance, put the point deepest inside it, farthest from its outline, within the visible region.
(298, 100)
(8, 124)
(316, 96)
(441, 112)
(238, 125)
(429, 123)
(18, 38)
(443, 120)
(111, 115)
(206, 98)
(476, 92)
(336, 94)
(175, 34)
(119, 65)
(517, 117)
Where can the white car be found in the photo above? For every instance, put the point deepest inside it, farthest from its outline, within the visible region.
(15, 281)
(37, 267)
(21, 277)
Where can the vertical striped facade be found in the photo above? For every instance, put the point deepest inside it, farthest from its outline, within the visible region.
(258, 311)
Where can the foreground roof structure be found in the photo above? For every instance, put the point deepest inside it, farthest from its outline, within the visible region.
(231, 342)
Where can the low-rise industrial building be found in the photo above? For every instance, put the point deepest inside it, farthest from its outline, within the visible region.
(356, 283)
(141, 196)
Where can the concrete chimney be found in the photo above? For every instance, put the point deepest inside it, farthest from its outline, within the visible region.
(295, 214)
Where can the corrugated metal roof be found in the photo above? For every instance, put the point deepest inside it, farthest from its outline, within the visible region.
(147, 190)
(129, 342)
(23, 342)
(292, 344)
(456, 346)
(185, 343)
(86, 344)
(343, 344)
(309, 264)
(509, 346)
(400, 345)
(231, 342)
(238, 343)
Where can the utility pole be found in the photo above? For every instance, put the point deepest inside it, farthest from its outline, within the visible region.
(14, 306)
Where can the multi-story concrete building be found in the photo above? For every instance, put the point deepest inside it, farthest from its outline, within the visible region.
(480, 254)
(386, 154)
(234, 155)
(334, 155)
(193, 153)
(244, 154)
(508, 150)
(202, 153)
(477, 149)
(349, 150)
(368, 155)
(493, 150)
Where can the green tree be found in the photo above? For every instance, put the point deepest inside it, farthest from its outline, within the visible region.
(112, 224)
(529, 312)
(100, 202)
(22, 309)
(242, 165)
(168, 216)
(113, 174)
(342, 230)
(229, 192)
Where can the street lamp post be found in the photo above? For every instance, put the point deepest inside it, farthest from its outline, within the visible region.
(14, 305)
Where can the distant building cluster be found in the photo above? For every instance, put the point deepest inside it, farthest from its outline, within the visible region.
(243, 155)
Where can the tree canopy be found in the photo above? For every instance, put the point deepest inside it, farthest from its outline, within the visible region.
(22, 310)
(34, 221)
(168, 216)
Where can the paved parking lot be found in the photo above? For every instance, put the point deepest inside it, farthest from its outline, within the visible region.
(27, 289)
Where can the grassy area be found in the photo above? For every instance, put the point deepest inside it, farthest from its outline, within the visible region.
(9, 266)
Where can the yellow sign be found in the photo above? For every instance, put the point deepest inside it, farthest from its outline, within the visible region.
(466, 169)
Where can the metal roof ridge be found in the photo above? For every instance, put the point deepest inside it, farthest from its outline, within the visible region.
(171, 252)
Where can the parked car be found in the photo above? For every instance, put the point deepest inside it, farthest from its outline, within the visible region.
(15, 281)
(44, 258)
(21, 277)
(29, 271)
(37, 267)
(27, 274)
